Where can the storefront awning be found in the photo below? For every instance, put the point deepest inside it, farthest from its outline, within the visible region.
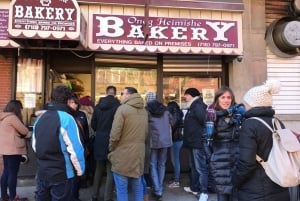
(229, 5)
(5, 42)
(47, 24)
(116, 33)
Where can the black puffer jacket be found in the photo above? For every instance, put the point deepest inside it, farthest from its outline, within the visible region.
(225, 153)
(101, 122)
(177, 126)
(250, 178)
(194, 125)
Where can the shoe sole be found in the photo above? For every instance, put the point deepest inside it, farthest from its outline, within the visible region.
(192, 192)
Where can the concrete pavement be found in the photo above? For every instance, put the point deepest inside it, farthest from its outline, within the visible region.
(26, 188)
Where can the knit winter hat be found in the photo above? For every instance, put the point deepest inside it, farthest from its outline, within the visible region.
(86, 100)
(262, 95)
(192, 91)
(150, 96)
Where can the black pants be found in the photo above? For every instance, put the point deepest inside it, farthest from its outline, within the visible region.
(227, 197)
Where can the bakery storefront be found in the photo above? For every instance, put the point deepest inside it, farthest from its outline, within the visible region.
(159, 46)
(164, 47)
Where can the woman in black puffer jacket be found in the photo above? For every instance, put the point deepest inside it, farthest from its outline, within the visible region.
(227, 117)
(255, 138)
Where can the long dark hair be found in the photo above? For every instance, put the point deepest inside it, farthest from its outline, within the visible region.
(14, 106)
(219, 93)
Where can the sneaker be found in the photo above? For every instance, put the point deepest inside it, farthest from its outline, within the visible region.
(18, 198)
(21, 199)
(156, 197)
(188, 189)
(203, 197)
(174, 184)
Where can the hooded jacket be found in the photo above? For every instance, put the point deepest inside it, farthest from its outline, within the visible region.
(12, 133)
(127, 137)
(101, 123)
(159, 125)
(250, 177)
(56, 142)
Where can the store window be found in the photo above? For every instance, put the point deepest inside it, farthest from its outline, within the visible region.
(79, 83)
(143, 79)
(29, 87)
(175, 86)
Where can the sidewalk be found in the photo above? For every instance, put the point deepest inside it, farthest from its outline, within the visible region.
(26, 188)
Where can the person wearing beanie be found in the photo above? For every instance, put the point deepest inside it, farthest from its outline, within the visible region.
(194, 140)
(146, 180)
(192, 91)
(256, 139)
(150, 96)
(159, 130)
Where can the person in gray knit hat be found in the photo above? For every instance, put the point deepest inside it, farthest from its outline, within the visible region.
(256, 139)
(150, 96)
(159, 124)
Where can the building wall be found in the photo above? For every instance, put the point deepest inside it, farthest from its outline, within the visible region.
(286, 69)
(260, 63)
(252, 70)
(6, 76)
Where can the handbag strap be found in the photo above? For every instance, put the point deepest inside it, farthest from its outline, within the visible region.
(265, 123)
(276, 124)
(257, 157)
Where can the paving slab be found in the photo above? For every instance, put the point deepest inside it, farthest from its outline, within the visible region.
(26, 188)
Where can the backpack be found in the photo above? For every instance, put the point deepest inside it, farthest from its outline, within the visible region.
(283, 163)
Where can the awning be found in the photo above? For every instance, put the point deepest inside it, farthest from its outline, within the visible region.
(229, 5)
(47, 24)
(116, 33)
(5, 42)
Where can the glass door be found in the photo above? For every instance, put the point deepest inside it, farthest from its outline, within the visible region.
(175, 86)
(143, 79)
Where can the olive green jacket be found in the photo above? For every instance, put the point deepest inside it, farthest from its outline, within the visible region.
(127, 137)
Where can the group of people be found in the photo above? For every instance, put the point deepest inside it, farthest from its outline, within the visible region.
(228, 142)
(132, 140)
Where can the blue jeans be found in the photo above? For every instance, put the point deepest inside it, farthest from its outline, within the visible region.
(158, 160)
(175, 159)
(144, 184)
(122, 187)
(55, 191)
(9, 176)
(201, 167)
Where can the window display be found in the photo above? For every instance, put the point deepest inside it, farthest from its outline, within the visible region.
(29, 87)
(143, 80)
(175, 86)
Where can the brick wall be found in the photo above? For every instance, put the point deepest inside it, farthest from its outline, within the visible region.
(6, 69)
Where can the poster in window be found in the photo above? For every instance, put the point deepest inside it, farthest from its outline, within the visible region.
(208, 95)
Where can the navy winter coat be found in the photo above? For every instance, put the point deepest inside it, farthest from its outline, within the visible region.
(194, 125)
(249, 177)
(101, 123)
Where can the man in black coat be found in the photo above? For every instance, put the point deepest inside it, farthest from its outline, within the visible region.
(194, 129)
(101, 123)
